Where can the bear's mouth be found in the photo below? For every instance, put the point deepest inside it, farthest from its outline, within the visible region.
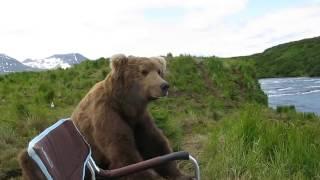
(152, 98)
(158, 97)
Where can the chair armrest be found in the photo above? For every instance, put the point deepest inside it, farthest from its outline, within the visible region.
(143, 165)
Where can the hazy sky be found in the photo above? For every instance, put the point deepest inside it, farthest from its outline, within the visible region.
(100, 28)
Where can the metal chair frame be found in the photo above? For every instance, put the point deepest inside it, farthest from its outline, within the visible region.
(40, 147)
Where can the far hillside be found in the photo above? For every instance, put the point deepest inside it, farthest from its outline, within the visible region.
(299, 58)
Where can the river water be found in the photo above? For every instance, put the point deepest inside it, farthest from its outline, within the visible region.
(302, 92)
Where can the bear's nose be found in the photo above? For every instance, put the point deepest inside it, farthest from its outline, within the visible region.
(164, 87)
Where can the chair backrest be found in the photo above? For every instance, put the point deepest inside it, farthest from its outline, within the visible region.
(60, 151)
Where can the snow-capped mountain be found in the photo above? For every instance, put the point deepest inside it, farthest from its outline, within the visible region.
(56, 61)
(9, 64)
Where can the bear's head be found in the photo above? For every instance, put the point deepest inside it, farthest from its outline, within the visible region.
(140, 77)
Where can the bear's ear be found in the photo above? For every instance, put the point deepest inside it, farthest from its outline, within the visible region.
(118, 61)
(162, 62)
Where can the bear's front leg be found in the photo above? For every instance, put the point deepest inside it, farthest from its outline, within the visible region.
(117, 145)
(120, 156)
(151, 143)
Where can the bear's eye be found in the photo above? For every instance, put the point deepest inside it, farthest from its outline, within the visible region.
(159, 72)
(144, 72)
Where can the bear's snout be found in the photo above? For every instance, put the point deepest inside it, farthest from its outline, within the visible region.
(164, 87)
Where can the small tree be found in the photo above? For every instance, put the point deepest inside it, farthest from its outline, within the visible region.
(169, 55)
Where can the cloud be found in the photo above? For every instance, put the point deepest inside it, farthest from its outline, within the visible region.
(278, 27)
(39, 28)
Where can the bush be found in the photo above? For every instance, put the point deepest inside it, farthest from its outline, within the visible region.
(21, 110)
(285, 109)
(48, 96)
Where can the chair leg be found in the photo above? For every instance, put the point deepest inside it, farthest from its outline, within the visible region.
(93, 174)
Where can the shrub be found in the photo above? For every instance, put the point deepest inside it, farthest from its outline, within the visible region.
(285, 109)
(48, 96)
(21, 110)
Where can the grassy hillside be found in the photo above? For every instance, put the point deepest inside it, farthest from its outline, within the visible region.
(300, 58)
(215, 109)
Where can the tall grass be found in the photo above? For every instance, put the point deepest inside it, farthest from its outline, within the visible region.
(256, 143)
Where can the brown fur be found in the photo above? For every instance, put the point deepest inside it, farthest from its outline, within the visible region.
(113, 118)
(30, 170)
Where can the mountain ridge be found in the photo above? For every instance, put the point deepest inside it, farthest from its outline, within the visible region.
(9, 64)
(56, 61)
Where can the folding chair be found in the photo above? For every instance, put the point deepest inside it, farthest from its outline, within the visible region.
(62, 153)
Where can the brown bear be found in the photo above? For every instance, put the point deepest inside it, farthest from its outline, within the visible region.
(114, 119)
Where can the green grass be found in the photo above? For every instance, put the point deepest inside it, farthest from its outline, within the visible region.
(258, 143)
(25, 100)
(204, 114)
